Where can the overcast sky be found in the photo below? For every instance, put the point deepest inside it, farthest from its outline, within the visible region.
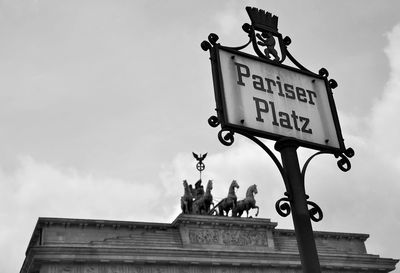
(103, 102)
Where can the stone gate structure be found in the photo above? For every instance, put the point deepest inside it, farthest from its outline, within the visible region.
(190, 244)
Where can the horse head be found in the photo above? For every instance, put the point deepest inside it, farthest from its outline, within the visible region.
(253, 189)
(209, 185)
(186, 188)
(234, 184)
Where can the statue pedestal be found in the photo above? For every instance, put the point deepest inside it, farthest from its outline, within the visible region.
(225, 233)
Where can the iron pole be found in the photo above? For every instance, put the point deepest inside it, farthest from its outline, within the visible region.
(298, 203)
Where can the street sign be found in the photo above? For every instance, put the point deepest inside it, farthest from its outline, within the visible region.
(272, 100)
(259, 96)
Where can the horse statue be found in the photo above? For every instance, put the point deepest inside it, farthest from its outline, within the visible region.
(186, 199)
(246, 204)
(202, 204)
(230, 202)
(198, 190)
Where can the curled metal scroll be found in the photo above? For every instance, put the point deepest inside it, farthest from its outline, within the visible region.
(332, 84)
(344, 162)
(323, 72)
(212, 41)
(213, 38)
(226, 137)
(315, 211)
(282, 206)
(213, 121)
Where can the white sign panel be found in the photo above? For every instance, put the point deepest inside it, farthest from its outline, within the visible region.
(278, 101)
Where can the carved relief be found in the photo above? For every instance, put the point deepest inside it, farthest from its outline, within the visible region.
(90, 269)
(66, 269)
(231, 237)
(135, 268)
(138, 269)
(204, 237)
(115, 269)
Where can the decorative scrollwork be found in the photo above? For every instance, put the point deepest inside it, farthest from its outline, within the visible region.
(213, 38)
(344, 162)
(315, 212)
(212, 41)
(282, 206)
(205, 45)
(332, 84)
(349, 152)
(323, 72)
(287, 41)
(270, 45)
(226, 139)
(213, 121)
(246, 28)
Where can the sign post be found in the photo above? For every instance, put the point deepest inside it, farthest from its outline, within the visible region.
(259, 96)
(298, 204)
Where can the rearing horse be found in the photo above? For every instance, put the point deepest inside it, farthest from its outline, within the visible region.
(230, 202)
(246, 204)
(186, 199)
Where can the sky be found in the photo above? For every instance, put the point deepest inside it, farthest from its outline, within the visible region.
(103, 102)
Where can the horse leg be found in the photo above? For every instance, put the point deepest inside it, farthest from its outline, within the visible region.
(234, 212)
(185, 207)
(220, 211)
(189, 206)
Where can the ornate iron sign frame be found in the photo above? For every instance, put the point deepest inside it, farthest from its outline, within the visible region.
(265, 24)
(263, 32)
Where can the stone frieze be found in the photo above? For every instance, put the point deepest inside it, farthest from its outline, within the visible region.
(228, 237)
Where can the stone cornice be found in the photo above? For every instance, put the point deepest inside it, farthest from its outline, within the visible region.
(327, 234)
(223, 221)
(199, 257)
(67, 222)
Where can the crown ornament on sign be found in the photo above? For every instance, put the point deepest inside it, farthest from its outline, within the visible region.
(262, 20)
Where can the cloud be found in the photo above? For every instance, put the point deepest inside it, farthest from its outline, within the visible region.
(227, 19)
(385, 113)
(38, 189)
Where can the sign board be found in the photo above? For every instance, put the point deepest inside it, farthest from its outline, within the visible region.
(272, 100)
